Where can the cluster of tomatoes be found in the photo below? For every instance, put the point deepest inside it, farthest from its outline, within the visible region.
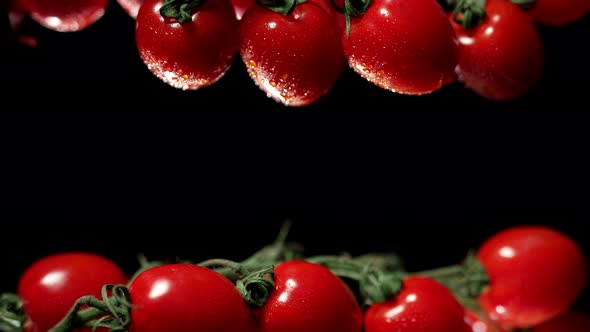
(523, 277)
(295, 50)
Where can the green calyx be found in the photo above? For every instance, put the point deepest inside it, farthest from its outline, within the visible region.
(181, 10)
(469, 13)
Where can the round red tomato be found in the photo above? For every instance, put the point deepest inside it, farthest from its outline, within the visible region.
(422, 304)
(535, 274)
(50, 286)
(404, 46)
(502, 58)
(131, 6)
(188, 55)
(296, 58)
(560, 12)
(187, 298)
(309, 297)
(65, 15)
(573, 320)
(479, 323)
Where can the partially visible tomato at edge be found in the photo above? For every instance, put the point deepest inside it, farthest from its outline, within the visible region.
(559, 12)
(50, 286)
(536, 273)
(573, 320)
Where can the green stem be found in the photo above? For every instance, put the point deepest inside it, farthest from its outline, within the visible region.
(230, 269)
(181, 10)
(12, 313)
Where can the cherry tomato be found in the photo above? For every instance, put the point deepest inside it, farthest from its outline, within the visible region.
(309, 297)
(535, 274)
(66, 15)
(423, 304)
(295, 59)
(480, 323)
(560, 12)
(240, 6)
(188, 55)
(131, 6)
(187, 298)
(502, 58)
(50, 286)
(404, 46)
(573, 320)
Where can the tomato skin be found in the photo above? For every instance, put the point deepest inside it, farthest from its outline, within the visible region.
(403, 46)
(423, 304)
(502, 58)
(297, 58)
(65, 15)
(51, 285)
(559, 12)
(187, 298)
(189, 55)
(479, 324)
(535, 274)
(573, 320)
(131, 7)
(309, 297)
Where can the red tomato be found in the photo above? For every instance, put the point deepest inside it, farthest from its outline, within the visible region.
(188, 55)
(240, 6)
(502, 58)
(560, 12)
(573, 320)
(50, 286)
(535, 274)
(422, 304)
(479, 324)
(404, 46)
(66, 15)
(309, 297)
(131, 6)
(187, 298)
(297, 58)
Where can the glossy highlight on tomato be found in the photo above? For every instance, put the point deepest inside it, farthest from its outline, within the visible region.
(502, 58)
(187, 298)
(131, 7)
(480, 323)
(188, 55)
(423, 304)
(309, 297)
(296, 58)
(65, 15)
(536, 273)
(51, 285)
(407, 47)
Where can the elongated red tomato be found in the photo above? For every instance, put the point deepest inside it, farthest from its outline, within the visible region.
(573, 320)
(50, 286)
(535, 273)
(560, 12)
(187, 298)
(189, 55)
(502, 58)
(309, 297)
(131, 6)
(296, 58)
(423, 304)
(404, 46)
(65, 15)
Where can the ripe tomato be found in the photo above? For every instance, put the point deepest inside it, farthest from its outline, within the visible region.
(309, 297)
(422, 304)
(187, 298)
(560, 12)
(131, 6)
(65, 15)
(502, 58)
(573, 320)
(188, 55)
(50, 286)
(240, 6)
(535, 274)
(297, 58)
(479, 323)
(407, 47)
